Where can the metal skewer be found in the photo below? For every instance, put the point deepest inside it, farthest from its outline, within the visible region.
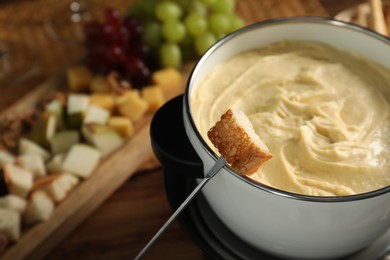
(219, 164)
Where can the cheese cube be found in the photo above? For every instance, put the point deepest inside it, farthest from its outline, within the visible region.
(154, 96)
(105, 101)
(79, 78)
(99, 84)
(131, 104)
(168, 79)
(121, 125)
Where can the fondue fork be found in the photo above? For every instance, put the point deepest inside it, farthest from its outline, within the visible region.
(218, 165)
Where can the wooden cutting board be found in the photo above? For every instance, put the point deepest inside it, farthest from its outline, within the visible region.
(116, 169)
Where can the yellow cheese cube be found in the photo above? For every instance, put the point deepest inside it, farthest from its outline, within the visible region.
(79, 78)
(169, 79)
(105, 101)
(154, 96)
(131, 104)
(99, 84)
(121, 125)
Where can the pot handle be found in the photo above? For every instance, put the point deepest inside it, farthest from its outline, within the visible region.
(170, 143)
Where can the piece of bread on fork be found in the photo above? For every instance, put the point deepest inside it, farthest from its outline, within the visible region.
(234, 137)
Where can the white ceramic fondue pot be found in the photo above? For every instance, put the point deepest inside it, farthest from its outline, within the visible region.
(272, 220)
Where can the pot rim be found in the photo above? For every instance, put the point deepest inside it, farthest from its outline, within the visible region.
(267, 23)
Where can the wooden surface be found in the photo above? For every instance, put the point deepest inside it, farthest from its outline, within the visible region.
(125, 222)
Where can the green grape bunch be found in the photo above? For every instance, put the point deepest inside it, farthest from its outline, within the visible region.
(179, 30)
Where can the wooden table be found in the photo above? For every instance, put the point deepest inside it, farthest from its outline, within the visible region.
(126, 221)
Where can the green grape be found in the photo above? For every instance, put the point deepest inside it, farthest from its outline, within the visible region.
(198, 7)
(152, 34)
(219, 23)
(184, 3)
(223, 6)
(209, 2)
(235, 23)
(170, 55)
(173, 30)
(168, 10)
(196, 24)
(142, 9)
(204, 42)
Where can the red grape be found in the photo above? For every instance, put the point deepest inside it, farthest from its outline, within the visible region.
(113, 17)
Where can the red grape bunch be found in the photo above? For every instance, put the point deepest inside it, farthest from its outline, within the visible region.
(116, 44)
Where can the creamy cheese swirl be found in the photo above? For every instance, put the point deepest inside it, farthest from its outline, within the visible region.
(322, 112)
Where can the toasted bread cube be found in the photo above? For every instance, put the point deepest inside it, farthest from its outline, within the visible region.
(154, 95)
(99, 84)
(236, 140)
(10, 224)
(19, 181)
(6, 157)
(168, 79)
(105, 101)
(121, 125)
(131, 104)
(13, 202)
(79, 78)
(33, 163)
(57, 186)
(81, 160)
(39, 208)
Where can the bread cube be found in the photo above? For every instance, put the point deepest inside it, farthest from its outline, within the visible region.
(57, 186)
(54, 165)
(169, 79)
(6, 157)
(10, 224)
(27, 146)
(131, 104)
(154, 96)
(121, 125)
(33, 163)
(81, 160)
(79, 78)
(39, 208)
(13, 202)
(19, 181)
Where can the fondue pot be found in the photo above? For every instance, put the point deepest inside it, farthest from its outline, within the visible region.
(271, 220)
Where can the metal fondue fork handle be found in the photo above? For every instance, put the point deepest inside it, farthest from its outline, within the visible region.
(218, 165)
